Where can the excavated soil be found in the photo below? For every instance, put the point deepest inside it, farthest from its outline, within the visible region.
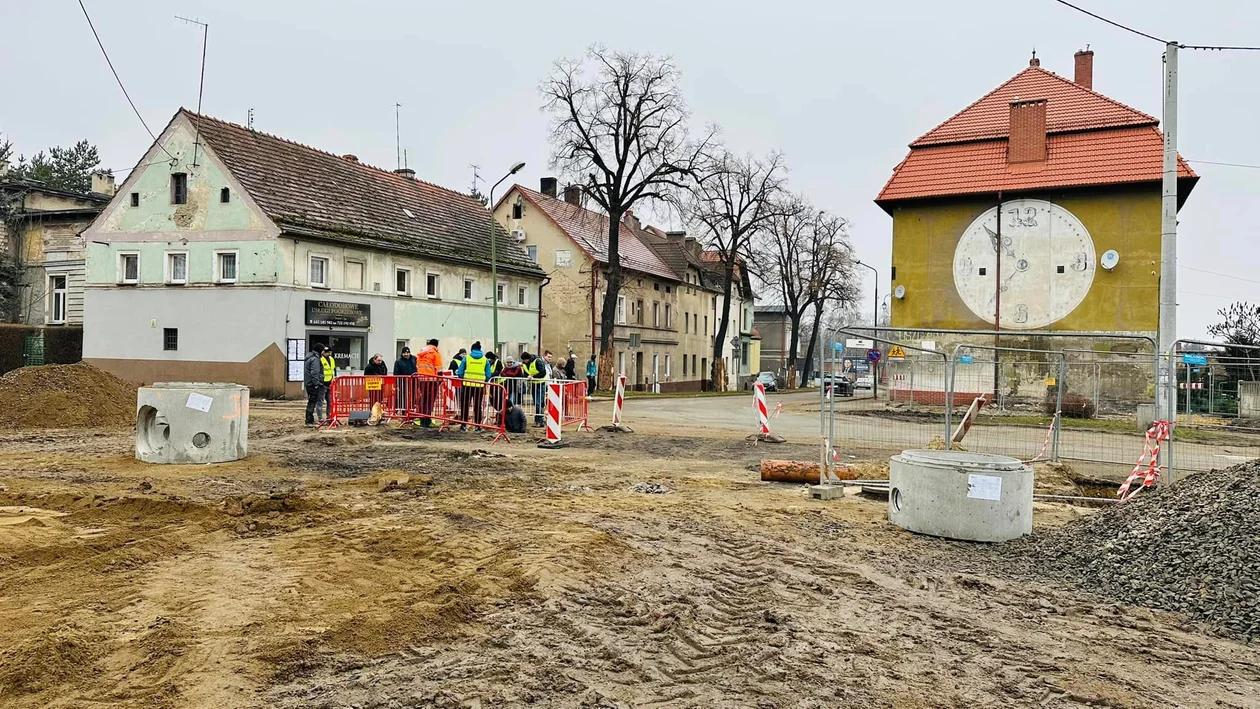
(396, 567)
(65, 395)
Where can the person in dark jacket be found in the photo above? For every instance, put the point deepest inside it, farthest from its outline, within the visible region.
(570, 368)
(457, 360)
(405, 365)
(313, 380)
(376, 367)
(591, 370)
(515, 421)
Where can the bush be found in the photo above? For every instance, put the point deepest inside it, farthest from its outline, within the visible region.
(1075, 406)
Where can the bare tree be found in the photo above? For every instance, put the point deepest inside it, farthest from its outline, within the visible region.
(619, 130)
(805, 257)
(730, 201)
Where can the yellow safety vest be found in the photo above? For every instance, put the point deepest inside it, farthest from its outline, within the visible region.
(330, 368)
(474, 370)
(535, 371)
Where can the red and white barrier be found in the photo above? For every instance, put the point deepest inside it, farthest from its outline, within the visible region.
(1147, 467)
(1045, 445)
(555, 414)
(759, 402)
(619, 399)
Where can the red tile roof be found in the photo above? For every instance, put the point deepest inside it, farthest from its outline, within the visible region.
(1091, 140)
(589, 230)
(1069, 107)
(1093, 158)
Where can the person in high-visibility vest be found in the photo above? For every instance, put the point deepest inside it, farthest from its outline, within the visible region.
(473, 372)
(329, 366)
(536, 370)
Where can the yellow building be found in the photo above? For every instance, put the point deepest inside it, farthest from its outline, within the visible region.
(1035, 208)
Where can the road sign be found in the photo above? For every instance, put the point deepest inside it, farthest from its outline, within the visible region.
(858, 344)
(837, 346)
(872, 355)
(966, 359)
(1051, 381)
(1189, 358)
(896, 352)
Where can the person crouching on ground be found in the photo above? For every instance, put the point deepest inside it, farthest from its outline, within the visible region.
(473, 371)
(515, 418)
(313, 380)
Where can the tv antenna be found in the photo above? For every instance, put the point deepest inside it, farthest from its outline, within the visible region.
(476, 177)
(201, 85)
(397, 138)
(249, 119)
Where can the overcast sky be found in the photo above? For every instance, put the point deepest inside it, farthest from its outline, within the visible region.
(840, 87)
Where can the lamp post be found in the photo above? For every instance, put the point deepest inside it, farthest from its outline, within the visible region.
(494, 257)
(874, 332)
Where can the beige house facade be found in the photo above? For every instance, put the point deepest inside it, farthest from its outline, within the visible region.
(669, 304)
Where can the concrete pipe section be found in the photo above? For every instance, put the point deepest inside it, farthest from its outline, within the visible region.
(192, 422)
(969, 496)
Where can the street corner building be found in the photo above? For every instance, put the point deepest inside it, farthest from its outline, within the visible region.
(670, 303)
(1035, 208)
(227, 253)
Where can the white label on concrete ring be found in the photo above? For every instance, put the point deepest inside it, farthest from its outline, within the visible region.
(199, 402)
(984, 487)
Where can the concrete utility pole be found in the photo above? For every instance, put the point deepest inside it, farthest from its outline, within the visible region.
(1165, 391)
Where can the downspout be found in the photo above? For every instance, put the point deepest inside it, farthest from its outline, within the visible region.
(546, 280)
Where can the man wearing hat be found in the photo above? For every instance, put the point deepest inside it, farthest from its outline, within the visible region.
(313, 381)
(428, 364)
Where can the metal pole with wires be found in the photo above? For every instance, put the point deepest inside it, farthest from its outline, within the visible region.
(201, 85)
(1166, 384)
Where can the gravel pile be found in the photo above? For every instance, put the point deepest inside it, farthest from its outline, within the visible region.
(650, 489)
(1193, 549)
(65, 396)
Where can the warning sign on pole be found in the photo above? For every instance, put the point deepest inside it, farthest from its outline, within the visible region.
(895, 352)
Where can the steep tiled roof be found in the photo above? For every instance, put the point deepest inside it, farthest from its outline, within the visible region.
(1069, 107)
(1092, 158)
(1091, 140)
(318, 194)
(589, 230)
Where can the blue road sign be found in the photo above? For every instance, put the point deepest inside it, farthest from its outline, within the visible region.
(1199, 359)
(872, 355)
(966, 359)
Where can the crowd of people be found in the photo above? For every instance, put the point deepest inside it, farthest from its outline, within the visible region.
(521, 378)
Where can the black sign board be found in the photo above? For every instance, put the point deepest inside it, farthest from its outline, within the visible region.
(336, 314)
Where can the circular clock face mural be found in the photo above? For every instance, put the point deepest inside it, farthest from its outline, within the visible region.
(1047, 264)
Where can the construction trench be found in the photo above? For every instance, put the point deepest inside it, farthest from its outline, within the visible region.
(396, 566)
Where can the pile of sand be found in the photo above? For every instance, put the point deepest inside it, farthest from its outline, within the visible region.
(65, 396)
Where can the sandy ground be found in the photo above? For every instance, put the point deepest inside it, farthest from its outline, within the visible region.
(502, 575)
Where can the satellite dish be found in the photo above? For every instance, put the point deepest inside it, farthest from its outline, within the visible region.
(1109, 259)
(899, 292)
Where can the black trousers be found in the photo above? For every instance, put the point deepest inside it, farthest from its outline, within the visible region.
(590, 385)
(476, 397)
(314, 395)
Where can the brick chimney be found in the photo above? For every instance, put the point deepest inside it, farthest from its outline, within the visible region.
(103, 183)
(573, 194)
(1027, 132)
(547, 186)
(1085, 68)
(350, 158)
(631, 221)
(406, 172)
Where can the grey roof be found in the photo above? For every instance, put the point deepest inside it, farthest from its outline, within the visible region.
(317, 194)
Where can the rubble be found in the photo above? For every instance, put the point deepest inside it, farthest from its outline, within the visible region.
(650, 489)
(1193, 548)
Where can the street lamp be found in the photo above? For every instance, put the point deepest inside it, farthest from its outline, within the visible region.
(494, 257)
(874, 332)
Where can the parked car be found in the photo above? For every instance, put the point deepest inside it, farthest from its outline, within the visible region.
(770, 381)
(841, 384)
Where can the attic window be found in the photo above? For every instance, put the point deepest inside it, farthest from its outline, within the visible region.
(408, 213)
(135, 199)
(179, 188)
(225, 195)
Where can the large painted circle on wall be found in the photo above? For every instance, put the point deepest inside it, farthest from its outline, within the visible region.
(1047, 264)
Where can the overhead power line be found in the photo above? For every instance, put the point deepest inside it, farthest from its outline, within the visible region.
(120, 83)
(1222, 275)
(1226, 164)
(1207, 47)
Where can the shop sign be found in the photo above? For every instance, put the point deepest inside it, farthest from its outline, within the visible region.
(338, 314)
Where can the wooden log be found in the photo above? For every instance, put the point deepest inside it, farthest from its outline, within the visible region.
(796, 471)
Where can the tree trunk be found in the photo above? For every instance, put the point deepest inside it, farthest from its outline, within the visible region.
(608, 318)
(813, 342)
(719, 363)
(794, 345)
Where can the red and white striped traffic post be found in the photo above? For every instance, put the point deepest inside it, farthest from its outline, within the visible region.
(555, 414)
(763, 416)
(619, 401)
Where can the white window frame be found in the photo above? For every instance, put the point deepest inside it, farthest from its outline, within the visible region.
(668, 312)
(437, 283)
(500, 294)
(470, 289)
(362, 274)
(406, 292)
(218, 265)
(522, 296)
(310, 267)
(668, 366)
(532, 250)
(621, 309)
(122, 268)
(169, 274)
(55, 294)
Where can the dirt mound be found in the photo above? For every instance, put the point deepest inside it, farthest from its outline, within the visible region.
(1193, 548)
(65, 396)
